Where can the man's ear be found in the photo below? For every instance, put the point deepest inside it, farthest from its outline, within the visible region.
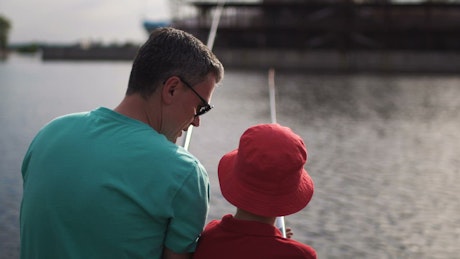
(169, 89)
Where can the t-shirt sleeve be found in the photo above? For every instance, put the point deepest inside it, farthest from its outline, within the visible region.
(190, 208)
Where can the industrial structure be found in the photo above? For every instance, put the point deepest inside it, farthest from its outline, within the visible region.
(343, 25)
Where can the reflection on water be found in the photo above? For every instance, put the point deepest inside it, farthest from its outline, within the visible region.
(383, 149)
(384, 153)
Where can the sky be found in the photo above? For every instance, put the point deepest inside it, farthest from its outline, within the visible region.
(70, 21)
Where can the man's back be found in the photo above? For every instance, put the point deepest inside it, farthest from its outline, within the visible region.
(233, 238)
(96, 186)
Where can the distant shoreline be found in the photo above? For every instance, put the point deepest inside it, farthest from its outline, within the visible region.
(304, 60)
(126, 52)
(337, 61)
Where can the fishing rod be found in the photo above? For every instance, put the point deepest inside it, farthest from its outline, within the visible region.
(209, 44)
(279, 223)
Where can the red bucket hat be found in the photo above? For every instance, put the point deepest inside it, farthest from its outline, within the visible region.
(266, 174)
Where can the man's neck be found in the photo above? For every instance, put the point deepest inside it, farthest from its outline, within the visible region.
(136, 107)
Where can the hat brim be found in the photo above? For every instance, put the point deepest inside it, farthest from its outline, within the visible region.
(245, 197)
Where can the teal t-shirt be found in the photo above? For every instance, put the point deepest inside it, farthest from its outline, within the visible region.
(101, 185)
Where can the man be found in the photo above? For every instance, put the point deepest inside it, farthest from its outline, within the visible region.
(264, 178)
(113, 183)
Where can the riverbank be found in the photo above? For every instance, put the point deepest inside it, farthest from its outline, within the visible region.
(78, 52)
(336, 61)
(384, 61)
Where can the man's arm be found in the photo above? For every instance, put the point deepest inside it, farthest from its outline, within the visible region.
(168, 254)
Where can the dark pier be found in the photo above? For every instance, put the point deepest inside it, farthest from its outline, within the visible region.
(341, 36)
(82, 53)
(342, 25)
(333, 35)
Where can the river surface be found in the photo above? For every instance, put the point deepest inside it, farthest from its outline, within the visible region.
(384, 150)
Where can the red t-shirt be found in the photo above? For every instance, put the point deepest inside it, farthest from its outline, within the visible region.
(238, 239)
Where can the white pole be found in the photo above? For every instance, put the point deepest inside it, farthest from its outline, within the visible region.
(210, 44)
(271, 90)
(215, 23)
(279, 223)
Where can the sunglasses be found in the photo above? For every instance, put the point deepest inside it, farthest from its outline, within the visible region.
(205, 107)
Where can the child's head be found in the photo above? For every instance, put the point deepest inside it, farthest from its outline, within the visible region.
(266, 175)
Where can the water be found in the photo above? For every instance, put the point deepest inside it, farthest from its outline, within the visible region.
(383, 149)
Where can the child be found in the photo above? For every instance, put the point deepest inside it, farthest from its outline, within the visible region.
(264, 178)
